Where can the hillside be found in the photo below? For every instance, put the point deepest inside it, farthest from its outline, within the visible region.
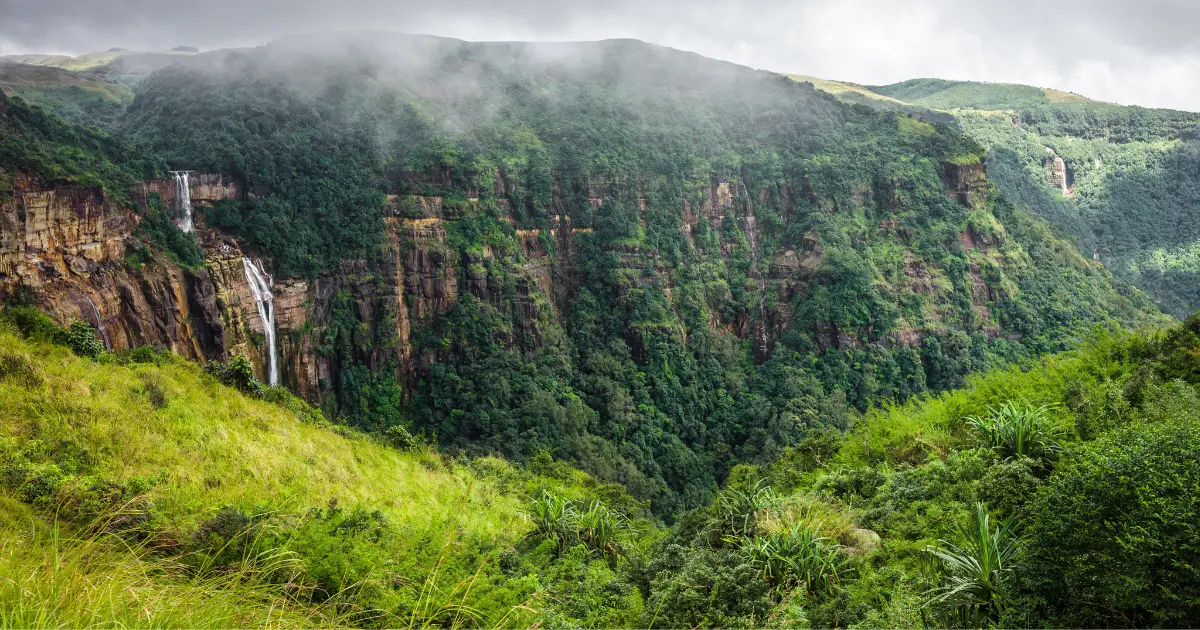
(138, 490)
(1120, 181)
(947, 95)
(174, 500)
(85, 98)
(652, 265)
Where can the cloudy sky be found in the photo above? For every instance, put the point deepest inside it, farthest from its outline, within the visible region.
(1143, 52)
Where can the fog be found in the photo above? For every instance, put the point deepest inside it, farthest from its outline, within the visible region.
(1143, 53)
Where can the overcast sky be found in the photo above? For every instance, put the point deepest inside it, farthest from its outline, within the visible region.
(1143, 52)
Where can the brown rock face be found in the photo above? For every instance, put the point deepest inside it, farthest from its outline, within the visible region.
(68, 246)
(966, 182)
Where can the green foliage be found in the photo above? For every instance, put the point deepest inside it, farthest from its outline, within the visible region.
(976, 568)
(57, 152)
(593, 525)
(1014, 431)
(80, 337)
(1111, 535)
(796, 556)
(158, 229)
(238, 374)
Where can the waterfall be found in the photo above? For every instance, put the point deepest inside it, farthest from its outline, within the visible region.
(751, 228)
(260, 286)
(183, 198)
(100, 324)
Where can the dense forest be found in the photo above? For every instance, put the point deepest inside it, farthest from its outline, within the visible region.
(688, 345)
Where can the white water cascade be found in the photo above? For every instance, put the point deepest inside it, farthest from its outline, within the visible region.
(260, 286)
(100, 325)
(183, 197)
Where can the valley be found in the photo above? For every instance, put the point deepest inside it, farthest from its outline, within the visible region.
(392, 330)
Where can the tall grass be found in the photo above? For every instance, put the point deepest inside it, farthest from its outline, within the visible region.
(54, 578)
(198, 447)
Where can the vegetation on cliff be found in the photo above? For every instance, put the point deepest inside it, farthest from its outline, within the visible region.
(1130, 174)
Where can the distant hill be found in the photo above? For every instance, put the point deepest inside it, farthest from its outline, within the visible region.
(1122, 182)
(942, 94)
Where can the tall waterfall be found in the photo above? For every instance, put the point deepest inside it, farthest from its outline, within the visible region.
(100, 325)
(183, 197)
(260, 286)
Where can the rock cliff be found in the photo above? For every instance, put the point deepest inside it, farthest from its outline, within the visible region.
(69, 246)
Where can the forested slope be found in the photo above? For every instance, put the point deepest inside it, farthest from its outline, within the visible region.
(649, 263)
(1126, 186)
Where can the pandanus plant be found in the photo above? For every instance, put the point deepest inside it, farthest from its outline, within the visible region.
(796, 555)
(976, 567)
(1018, 431)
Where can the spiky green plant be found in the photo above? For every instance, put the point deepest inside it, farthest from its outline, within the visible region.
(555, 518)
(975, 567)
(796, 555)
(738, 510)
(602, 529)
(1014, 431)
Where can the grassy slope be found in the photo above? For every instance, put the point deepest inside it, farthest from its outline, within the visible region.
(942, 94)
(208, 447)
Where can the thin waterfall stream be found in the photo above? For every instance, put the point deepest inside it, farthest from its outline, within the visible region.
(183, 198)
(261, 284)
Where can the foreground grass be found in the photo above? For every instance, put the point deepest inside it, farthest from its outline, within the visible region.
(198, 447)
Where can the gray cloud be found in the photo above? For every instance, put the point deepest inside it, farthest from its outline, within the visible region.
(1142, 53)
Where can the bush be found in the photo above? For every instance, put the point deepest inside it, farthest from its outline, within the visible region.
(238, 374)
(81, 339)
(1112, 537)
(33, 324)
(1016, 431)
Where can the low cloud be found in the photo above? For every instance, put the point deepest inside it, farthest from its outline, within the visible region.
(1134, 53)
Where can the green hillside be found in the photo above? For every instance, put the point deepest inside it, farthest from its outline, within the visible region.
(172, 500)
(81, 97)
(946, 95)
(1130, 171)
(644, 365)
(137, 490)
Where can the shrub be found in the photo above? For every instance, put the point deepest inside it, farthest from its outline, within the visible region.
(238, 374)
(976, 568)
(1112, 535)
(81, 339)
(1016, 431)
(32, 323)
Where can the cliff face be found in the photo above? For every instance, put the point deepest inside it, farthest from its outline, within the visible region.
(69, 245)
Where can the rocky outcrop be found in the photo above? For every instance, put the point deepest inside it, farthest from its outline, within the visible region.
(966, 182)
(1058, 175)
